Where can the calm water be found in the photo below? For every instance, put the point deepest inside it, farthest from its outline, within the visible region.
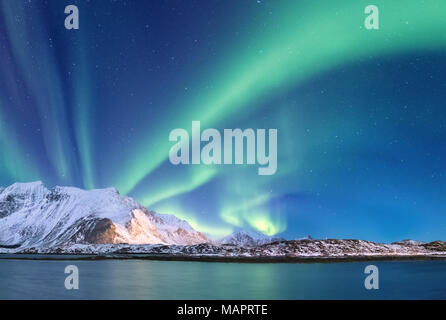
(139, 279)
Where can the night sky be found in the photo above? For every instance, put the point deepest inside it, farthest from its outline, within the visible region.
(361, 114)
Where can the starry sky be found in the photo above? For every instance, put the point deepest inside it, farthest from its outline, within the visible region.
(360, 113)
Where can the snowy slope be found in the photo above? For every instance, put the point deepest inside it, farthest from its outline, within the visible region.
(32, 215)
(248, 238)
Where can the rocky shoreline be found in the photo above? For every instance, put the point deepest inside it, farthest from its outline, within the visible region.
(201, 258)
(329, 250)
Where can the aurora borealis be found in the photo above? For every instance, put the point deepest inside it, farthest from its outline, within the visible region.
(360, 113)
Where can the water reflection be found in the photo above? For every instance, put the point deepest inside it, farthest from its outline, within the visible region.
(138, 279)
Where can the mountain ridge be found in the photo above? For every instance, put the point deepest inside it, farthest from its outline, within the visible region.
(248, 238)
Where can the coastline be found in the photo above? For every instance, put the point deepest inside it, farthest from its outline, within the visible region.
(224, 259)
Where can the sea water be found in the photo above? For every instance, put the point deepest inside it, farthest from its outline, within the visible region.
(145, 279)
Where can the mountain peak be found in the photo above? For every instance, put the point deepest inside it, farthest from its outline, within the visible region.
(248, 238)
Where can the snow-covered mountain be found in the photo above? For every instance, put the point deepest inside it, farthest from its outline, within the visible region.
(248, 238)
(33, 216)
(34, 219)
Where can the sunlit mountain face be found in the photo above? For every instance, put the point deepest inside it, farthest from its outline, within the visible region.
(360, 114)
